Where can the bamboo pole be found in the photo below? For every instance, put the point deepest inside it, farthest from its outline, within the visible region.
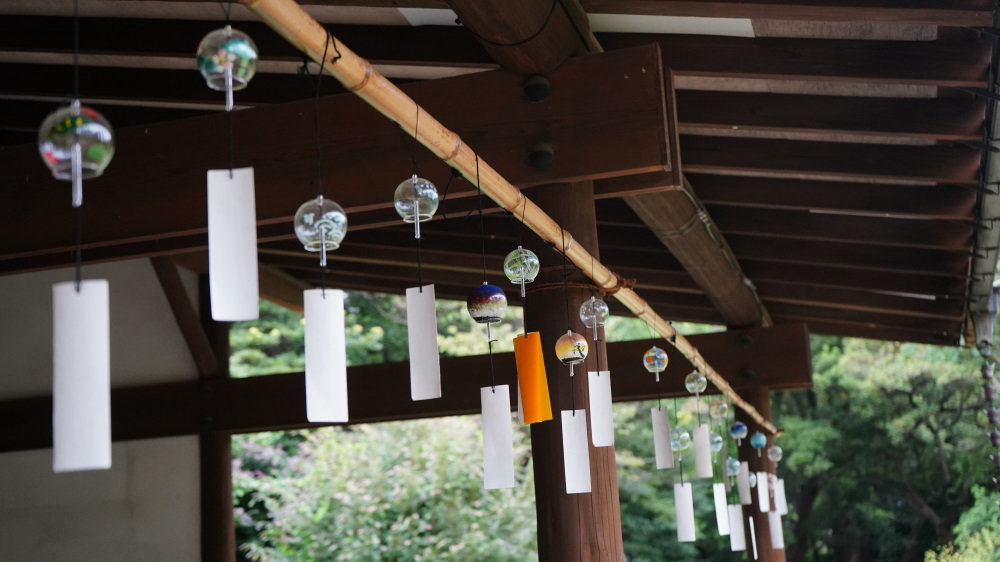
(359, 76)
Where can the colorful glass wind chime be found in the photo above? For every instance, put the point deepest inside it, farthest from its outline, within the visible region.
(521, 266)
(717, 411)
(488, 304)
(320, 225)
(416, 201)
(571, 349)
(77, 143)
(227, 60)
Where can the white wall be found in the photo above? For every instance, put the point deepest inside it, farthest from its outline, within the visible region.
(147, 506)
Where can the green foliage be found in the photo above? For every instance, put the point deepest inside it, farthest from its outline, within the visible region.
(881, 454)
(880, 457)
(394, 491)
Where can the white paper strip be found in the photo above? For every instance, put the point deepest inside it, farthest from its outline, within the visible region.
(421, 327)
(753, 536)
(743, 483)
(520, 407)
(684, 511)
(326, 356)
(777, 533)
(576, 451)
(498, 440)
(702, 454)
(763, 496)
(232, 245)
(81, 381)
(661, 438)
(780, 503)
(602, 424)
(737, 537)
(721, 508)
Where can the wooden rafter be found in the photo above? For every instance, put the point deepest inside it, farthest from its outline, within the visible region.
(777, 357)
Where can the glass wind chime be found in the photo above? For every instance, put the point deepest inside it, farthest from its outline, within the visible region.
(655, 361)
(320, 225)
(594, 314)
(76, 143)
(571, 349)
(717, 411)
(488, 304)
(521, 266)
(227, 60)
(416, 201)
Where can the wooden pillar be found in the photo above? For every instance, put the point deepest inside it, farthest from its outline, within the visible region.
(580, 527)
(218, 530)
(759, 398)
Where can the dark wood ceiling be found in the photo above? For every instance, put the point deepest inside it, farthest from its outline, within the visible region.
(839, 149)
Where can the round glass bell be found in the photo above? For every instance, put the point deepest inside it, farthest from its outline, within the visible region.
(486, 303)
(732, 466)
(320, 224)
(655, 360)
(571, 348)
(775, 453)
(223, 50)
(416, 199)
(695, 382)
(70, 126)
(718, 409)
(752, 478)
(714, 442)
(680, 439)
(521, 266)
(738, 430)
(758, 441)
(594, 312)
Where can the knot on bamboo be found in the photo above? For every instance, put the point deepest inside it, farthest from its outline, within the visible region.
(620, 283)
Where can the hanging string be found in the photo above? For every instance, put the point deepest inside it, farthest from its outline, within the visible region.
(226, 7)
(680, 453)
(77, 211)
(316, 128)
(76, 49)
(78, 251)
(597, 327)
(569, 323)
(482, 219)
(520, 244)
(444, 198)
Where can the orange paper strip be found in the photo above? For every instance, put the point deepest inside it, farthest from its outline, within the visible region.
(531, 380)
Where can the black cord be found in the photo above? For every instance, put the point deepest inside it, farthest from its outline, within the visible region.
(545, 24)
(569, 323)
(76, 49)
(482, 220)
(78, 251)
(319, 83)
(444, 198)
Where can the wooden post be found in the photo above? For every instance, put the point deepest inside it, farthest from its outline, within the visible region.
(580, 527)
(759, 397)
(218, 529)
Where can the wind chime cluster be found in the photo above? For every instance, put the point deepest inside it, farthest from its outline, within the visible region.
(709, 449)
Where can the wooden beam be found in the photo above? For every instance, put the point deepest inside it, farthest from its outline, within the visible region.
(680, 222)
(932, 12)
(777, 357)
(590, 99)
(952, 202)
(281, 288)
(955, 119)
(528, 36)
(186, 316)
(830, 160)
(215, 460)
(931, 234)
(962, 64)
(869, 330)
